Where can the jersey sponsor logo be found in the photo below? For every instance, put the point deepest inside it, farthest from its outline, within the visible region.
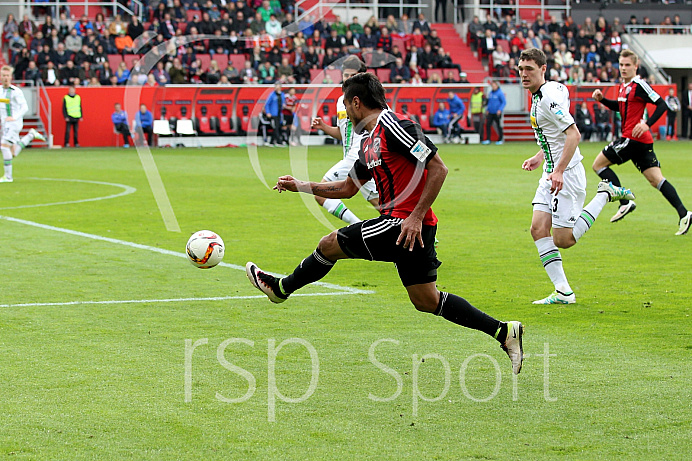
(341, 115)
(553, 105)
(420, 151)
(373, 163)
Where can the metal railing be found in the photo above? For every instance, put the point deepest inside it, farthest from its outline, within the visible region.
(657, 30)
(97, 7)
(45, 107)
(322, 7)
(660, 74)
(516, 5)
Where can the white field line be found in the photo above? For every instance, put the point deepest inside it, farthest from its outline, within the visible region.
(343, 290)
(126, 191)
(166, 300)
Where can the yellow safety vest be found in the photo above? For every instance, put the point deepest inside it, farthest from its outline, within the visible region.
(477, 103)
(73, 106)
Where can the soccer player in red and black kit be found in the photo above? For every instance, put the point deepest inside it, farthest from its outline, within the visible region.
(636, 143)
(408, 173)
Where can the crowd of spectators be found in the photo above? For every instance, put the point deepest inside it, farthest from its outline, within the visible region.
(188, 38)
(577, 53)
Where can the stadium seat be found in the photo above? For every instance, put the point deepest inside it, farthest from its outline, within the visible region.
(203, 126)
(238, 61)
(114, 61)
(162, 128)
(225, 125)
(383, 75)
(206, 59)
(221, 60)
(185, 127)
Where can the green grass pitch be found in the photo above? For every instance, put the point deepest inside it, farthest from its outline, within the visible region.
(84, 375)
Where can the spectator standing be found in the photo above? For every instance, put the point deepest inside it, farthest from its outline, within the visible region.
(602, 120)
(493, 115)
(274, 105)
(456, 110)
(672, 113)
(686, 129)
(120, 122)
(585, 124)
(477, 102)
(72, 111)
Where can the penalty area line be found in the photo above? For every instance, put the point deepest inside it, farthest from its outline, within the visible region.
(139, 246)
(165, 300)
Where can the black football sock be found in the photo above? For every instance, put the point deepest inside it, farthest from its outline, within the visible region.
(671, 195)
(459, 311)
(607, 173)
(311, 269)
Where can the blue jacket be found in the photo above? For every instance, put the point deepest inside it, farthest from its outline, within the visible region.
(273, 105)
(119, 117)
(145, 120)
(456, 105)
(496, 101)
(441, 117)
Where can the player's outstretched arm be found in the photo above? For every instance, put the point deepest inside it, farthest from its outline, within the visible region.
(346, 188)
(333, 131)
(412, 226)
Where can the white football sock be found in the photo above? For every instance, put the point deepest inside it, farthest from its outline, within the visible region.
(25, 141)
(589, 214)
(341, 211)
(7, 161)
(552, 263)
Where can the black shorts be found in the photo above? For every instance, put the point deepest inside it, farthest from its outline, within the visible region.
(623, 149)
(375, 240)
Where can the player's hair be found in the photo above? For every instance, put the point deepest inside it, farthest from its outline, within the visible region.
(630, 54)
(535, 55)
(10, 69)
(354, 63)
(368, 89)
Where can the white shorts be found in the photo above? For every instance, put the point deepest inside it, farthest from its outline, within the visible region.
(566, 206)
(10, 132)
(341, 170)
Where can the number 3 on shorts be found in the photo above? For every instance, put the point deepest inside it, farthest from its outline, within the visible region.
(554, 204)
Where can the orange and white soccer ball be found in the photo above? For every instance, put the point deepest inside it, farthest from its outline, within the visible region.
(205, 249)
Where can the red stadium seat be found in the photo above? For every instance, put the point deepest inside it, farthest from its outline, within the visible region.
(383, 75)
(204, 126)
(221, 60)
(114, 61)
(225, 126)
(130, 59)
(238, 61)
(206, 59)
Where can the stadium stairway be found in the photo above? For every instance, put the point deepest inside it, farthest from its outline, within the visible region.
(460, 52)
(35, 122)
(517, 127)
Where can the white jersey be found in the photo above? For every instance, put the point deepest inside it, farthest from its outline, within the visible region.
(17, 106)
(550, 117)
(350, 139)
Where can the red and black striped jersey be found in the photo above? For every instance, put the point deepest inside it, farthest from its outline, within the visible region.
(632, 100)
(395, 155)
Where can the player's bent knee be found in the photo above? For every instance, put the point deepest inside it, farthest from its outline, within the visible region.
(329, 247)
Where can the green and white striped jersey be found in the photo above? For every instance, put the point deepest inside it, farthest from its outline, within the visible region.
(350, 139)
(17, 106)
(550, 117)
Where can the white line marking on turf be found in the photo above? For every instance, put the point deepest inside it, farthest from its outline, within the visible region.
(343, 290)
(127, 190)
(166, 300)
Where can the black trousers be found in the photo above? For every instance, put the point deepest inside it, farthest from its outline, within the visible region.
(149, 132)
(124, 130)
(276, 134)
(686, 128)
(489, 120)
(74, 125)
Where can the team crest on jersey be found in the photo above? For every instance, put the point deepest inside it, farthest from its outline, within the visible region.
(376, 146)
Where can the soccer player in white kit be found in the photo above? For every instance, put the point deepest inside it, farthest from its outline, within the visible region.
(351, 142)
(13, 106)
(559, 201)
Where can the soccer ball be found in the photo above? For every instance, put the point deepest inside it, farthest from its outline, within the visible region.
(204, 249)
